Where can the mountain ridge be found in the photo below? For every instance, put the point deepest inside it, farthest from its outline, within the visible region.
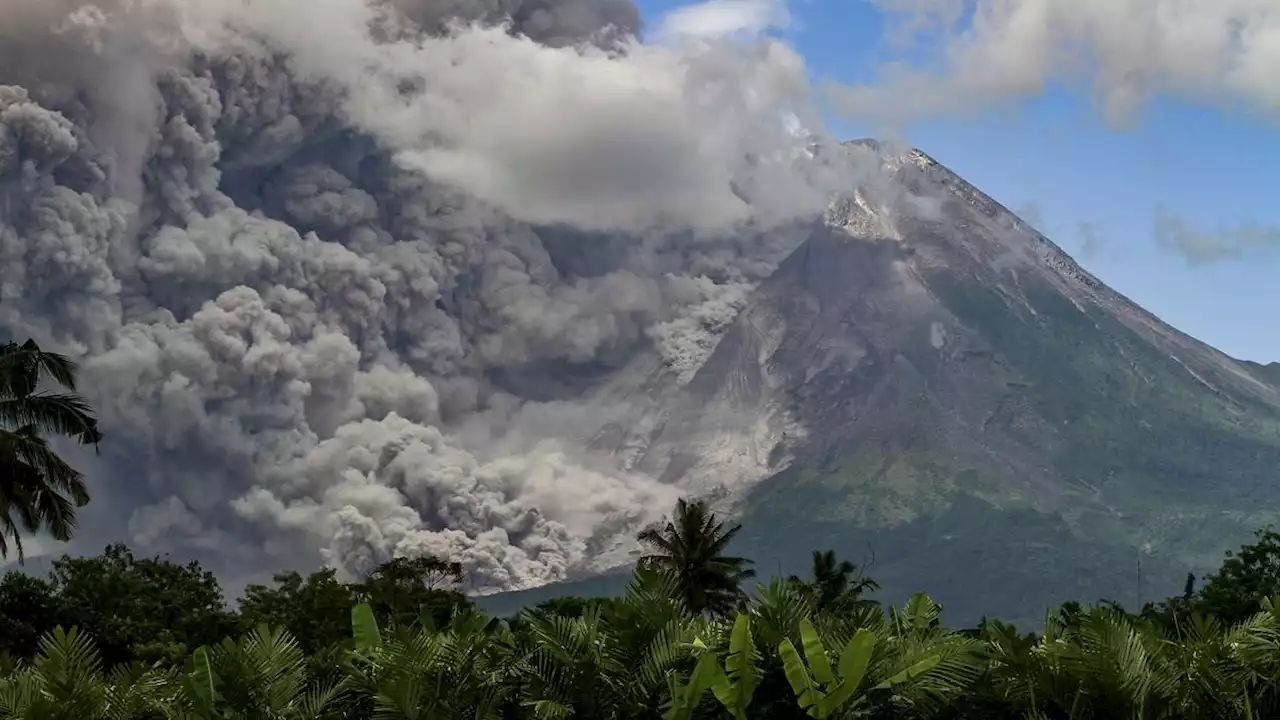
(929, 376)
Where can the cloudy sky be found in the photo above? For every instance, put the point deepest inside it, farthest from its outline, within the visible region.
(1171, 200)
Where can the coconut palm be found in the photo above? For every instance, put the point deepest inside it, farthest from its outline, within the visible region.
(38, 489)
(690, 547)
(835, 584)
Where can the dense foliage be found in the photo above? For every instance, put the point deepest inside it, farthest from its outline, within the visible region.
(120, 637)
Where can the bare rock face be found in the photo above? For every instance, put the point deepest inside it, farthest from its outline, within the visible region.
(929, 381)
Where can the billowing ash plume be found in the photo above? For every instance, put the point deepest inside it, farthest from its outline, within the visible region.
(339, 286)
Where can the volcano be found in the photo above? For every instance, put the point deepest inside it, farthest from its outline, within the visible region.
(931, 386)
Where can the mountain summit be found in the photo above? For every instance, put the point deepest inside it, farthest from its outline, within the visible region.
(931, 382)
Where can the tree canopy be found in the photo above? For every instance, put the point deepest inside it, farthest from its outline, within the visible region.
(118, 636)
(691, 547)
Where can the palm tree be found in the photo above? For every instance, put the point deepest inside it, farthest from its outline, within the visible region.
(36, 485)
(263, 675)
(416, 671)
(691, 548)
(836, 584)
(66, 681)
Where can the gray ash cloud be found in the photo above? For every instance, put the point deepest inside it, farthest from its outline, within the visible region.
(295, 260)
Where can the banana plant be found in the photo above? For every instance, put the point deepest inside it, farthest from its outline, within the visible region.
(685, 695)
(201, 687)
(822, 690)
(365, 632)
(734, 683)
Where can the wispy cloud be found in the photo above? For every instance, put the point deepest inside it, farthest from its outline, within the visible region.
(722, 18)
(1091, 241)
(1199, 245)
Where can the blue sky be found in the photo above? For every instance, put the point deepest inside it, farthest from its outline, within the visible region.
(1054, 156)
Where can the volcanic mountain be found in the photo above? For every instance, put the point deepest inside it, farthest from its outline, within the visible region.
(930, 382)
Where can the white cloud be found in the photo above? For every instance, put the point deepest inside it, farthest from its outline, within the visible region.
(1127, 50)
(720, 18)
(658, 136)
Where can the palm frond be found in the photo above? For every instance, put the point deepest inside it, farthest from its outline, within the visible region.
(21, 367)
(60, 413)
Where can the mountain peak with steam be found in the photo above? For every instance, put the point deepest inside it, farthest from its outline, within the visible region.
(930, 380)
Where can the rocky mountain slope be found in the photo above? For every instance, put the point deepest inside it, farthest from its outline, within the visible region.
(929, 381)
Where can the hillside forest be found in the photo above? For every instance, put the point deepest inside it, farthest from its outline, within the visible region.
(696, 634)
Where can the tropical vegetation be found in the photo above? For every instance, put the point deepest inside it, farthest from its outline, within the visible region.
(121, 637)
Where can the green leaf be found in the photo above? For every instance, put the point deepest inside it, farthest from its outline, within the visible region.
(706, 674)
(856, 656)
(815, 653)
(807, 695)
(684, 698)
(203, 682)
(838, 697)
(735, 687)
(912, 672)
(364, 628)
(922, 611)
